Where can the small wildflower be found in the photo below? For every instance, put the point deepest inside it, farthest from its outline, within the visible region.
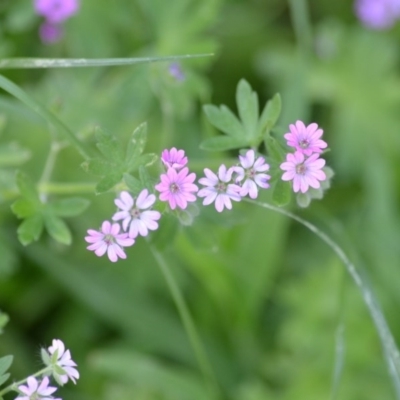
(62, 358)
(177, 188)
(35, 390)
(174, 158)
(377, 14)
(219, 188)
(56, 11)
(137, 217)
(50, 33)
(305, 139)
(252, 172)
(304, 172)
(109, 240)
(175, 70)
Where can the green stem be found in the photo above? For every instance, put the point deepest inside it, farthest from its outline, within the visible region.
(390, 349)
(21, 95)
(188, 323)
(14, 385)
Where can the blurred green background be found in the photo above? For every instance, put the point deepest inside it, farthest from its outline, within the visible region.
(269, 299)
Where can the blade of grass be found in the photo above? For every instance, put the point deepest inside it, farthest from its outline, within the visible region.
(21, 95)
(34, 63)
(390, 350)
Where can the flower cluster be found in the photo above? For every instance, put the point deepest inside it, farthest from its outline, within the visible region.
(138, 215)
(55, 12)
(378, 14)
(304, 166)
(58, 364)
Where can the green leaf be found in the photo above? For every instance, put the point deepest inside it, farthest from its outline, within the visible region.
(146, 179)
(27, 187)
(5, 363)
(136, 143)
(274, 148)
(224, 119)
(143, 160)
(69, 207)
(247, 103)
(282, 193)
(11, 155)
(220, 143)
(97, 166)
(23, 208)
(57, 229)
(3, 320)
(303, 199)
(108, 182)
(134, 184)
(45, 356)
(3, 378)
(109, 146)
(270, 114)
(30, 229)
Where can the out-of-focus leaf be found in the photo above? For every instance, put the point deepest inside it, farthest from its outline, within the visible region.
(23, 208)
(97, 166)
(11, 155)
(134, 184)
(8, 259)
(27, 188)
(146, 179)
(281, 193)
(3, 378)
(137, 143)
(108, 182)
(57, 228)
(145, 159)
(247, 103)
(275, 150)
(30, 229)
(109, 146)
(69, 207)
(270, 114)
(224, 119)
(5, 363)
(220, 143)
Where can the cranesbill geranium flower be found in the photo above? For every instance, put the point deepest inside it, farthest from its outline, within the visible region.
(61, 358)
(304, 172)
(37, 391)
(377, 14)
(252, 173)
(177, 188)
(137, 217)
(305, 139)
(109, 240)
(56, 11)
(174, 158)
(219, 188)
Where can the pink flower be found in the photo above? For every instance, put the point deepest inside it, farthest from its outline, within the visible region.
(63, 360)
(134, 215)
(50, 33)
(177, 188)
(305, 139)
(219, 188)
(174, 158)
(109, 240)
(252, 172)
(36, 390)
(378, 14)
(303, 172)
(56, 11)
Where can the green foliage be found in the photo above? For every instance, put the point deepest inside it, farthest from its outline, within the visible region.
(37, 214)
(5, 363)
(115, 163)
(251, 129)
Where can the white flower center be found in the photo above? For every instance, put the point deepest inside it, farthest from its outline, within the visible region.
(301, 169)
(174, 188)
(109, 239)
(135, 212)
(304, 143)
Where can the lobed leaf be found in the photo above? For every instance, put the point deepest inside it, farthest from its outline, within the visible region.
(247, 103)
(30, 229)
(108, 182)
(57, 228)
(270, 114)
(220, 143)
(27, 187)
(136, 143)
(224, 120)
(69, 207)
(97, 166)
(134, 184)
(274, 148)
(24, 208)
(143, 160)
(109, 146)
